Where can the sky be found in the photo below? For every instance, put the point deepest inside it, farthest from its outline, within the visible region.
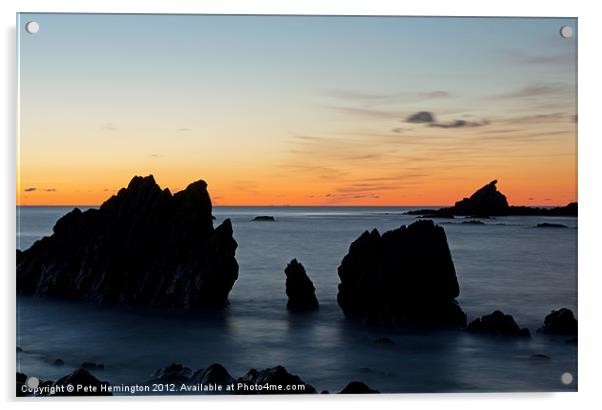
(297, 110)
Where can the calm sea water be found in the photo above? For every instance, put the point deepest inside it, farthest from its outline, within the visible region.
(506, 264)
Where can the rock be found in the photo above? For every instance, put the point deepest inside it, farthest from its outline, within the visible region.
(486, 201)
(272, 376)
(299, 289)
(497, 323)
(405, 277)
(214, 374)
(356, 387)
(80, 377)
(540, 356)
(174, 373)
(19, 350)
(60, 362)
(473, 222)
(91, 366)
(324, 392)
(560, 322)
(384, 341)
(143, 246)
(264, 218)
(549, 225)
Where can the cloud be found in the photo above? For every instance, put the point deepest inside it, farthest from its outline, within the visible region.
(460, 124)
(541, 59)
(50, 190)
(30, 189)
(156, 155)
(421, 117)
(183, 129)
(536, 90)
(108, 127)
(398, 97)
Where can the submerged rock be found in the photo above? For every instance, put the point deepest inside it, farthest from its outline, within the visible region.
(59, 362)
(299, 289)
(264, 218)
(143, 246)
(497, 323)
(560, 322)
(275, 376)
(356, 387)
(83, 378)
(402, 277)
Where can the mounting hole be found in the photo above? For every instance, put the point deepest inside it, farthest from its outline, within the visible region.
(32, 382)
(566, 31)
(32, 27)
(566, 378)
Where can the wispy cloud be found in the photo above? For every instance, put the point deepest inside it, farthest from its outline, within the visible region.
(460, 124)
(421, 117)
(31, 189)
(107, 126)
(535, 90)
(50, 190)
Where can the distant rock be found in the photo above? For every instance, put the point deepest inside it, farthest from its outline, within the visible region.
(560, 322)
(174, 373)
(299, 288)
(59, 363)
(356, 387)
(540, 356)
(273, 376)
(144, 246)
(384, 341)
(80, 377)
(19, 350)
(497, 323)
(473, 222)
(404, 277)
(264, 218)
(549, 225)
(91, 366)
(487, 202)
(214, 374)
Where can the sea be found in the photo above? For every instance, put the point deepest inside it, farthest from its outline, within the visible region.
(506, 264)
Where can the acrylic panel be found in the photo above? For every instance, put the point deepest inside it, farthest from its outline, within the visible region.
(245, 204)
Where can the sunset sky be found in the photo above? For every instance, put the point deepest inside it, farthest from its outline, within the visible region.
(297, 110)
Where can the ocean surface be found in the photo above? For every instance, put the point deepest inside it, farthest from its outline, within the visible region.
(506, 264)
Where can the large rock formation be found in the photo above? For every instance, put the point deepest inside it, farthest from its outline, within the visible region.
(486, 201)
(498, 324)
(299, 288)
(403, 277)
(143, 246)
(560, 322)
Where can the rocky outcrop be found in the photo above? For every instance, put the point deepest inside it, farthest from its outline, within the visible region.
(498, 324)
(488, 201)
(83, 379)
(275, 376)
(560, 322)
(143, 246)
(550, 225)
(356, 387)
(214, 374)
(174, 373)
(404, 277)
(299, 289)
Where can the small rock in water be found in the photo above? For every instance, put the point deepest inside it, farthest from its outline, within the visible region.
(356, 387)
(60, 362)
(19, 350)
(473, 222)
(550, 225)
(299, 289)
(540, 356)
(384, 341)
(497, 323)
(264, 218)
(560, 322)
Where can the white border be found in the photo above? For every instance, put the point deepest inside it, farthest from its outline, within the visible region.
(590, 244)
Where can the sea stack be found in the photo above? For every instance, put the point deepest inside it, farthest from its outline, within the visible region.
(143, 246)
(487, 201)
(404, 277)
(299, 288)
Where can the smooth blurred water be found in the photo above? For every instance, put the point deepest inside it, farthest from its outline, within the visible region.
(505, 264)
